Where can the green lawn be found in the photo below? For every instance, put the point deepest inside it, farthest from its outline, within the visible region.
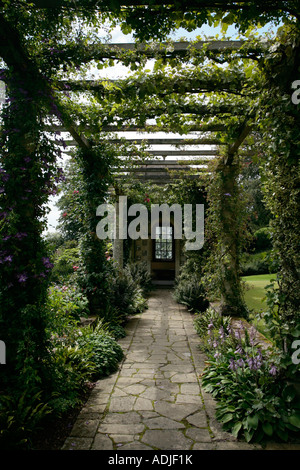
(255, 297)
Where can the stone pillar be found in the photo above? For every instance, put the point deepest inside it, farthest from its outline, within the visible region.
(177, 256)
(232, 302)
(118, 243)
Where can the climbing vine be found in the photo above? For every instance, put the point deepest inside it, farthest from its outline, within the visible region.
(28, 174)
(278, 120)
(226, 224)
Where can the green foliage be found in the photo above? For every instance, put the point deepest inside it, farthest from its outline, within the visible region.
(78, 356)
(29, 174)
(125, 294)
(262, 239)
(65, 261)
(102, 348)
(116, 331)
(71, 368)
(190, 292)
(54, 240)
(249, 410)
(254, 400)
(208, 324)
(20, 416)
(257, 263)
(65, 306)
(226, 230)
(71, 202)
(278, 123)
(140, 274)
(189, 289)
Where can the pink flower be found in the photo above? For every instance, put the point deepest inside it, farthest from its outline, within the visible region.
(75, 268)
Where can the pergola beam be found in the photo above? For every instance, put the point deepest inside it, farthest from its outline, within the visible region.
(177, 142)
(149, 128)
(168, 163)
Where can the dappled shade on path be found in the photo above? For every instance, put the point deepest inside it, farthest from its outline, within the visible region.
(154, 401)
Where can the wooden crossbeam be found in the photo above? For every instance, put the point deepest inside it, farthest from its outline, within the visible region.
(178, 153)
(156, 170)
(170, 141)
(149, 128)
(168, 163)
(157, 153)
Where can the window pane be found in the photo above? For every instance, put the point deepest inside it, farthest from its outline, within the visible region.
(164, 243)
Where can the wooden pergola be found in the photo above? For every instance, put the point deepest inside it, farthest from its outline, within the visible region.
(180, 156)
(214, 136)
(176, 154)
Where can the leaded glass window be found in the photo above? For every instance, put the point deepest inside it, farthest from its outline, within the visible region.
(164, 243)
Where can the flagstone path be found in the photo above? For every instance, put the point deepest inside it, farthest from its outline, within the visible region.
(155, 400)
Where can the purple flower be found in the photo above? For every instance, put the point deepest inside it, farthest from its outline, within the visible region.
(227, 194)
(22, 277)
(239, 350)
(47, 263)
(221, 333)
(4, 175)
(273, 370)
(8, 259)
(252, 335)
(240, 362)
(20, 235)
(232, 364)
(251, 363)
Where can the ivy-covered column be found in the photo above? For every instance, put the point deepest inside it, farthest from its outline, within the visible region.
(27, 177)
(93, 273)
(279, 124)
(225, 222)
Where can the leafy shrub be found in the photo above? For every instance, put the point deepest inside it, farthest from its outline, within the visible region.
(257, 263)
(66, 259)
(20, 416)
(210, 324)
(254, 401)
(190, 292)
(65, 306)
(139, 272)
(262, 239)
(117, 331)
(72, 367)
(189, 289)
(126, 295)
(102, 348)
(82, 355)
(250, 404)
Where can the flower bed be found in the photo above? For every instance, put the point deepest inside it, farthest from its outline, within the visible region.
(254, 400)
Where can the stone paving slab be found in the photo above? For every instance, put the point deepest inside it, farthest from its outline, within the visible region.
(155, 400)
